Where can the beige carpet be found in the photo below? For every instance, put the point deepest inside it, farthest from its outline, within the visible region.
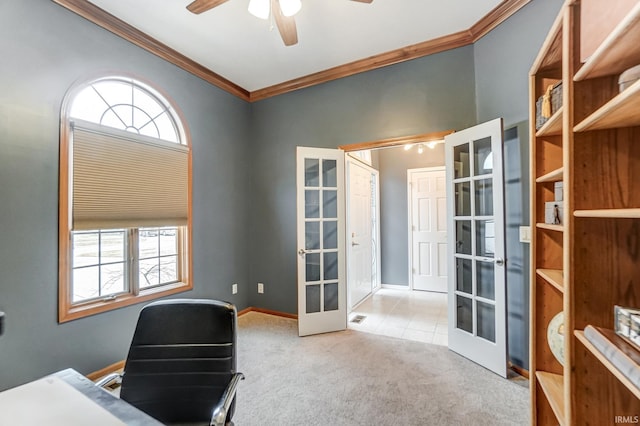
(356, 378)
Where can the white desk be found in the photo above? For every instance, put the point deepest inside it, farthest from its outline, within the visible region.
(67, 398)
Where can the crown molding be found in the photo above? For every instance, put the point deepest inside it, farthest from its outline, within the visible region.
(497, 16)
(120, 28)
(407, 53)
(463, 38)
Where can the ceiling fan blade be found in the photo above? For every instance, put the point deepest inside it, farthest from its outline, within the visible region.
(286, 25)
(199, 6)
(364, 1)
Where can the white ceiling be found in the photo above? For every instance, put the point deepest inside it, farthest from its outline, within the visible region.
(247, 51)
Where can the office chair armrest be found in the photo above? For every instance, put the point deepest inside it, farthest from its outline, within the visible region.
(219, 416)
(103, 382)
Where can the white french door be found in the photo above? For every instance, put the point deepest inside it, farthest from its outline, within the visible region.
(428, 229)
(477, 271)
(322, 295)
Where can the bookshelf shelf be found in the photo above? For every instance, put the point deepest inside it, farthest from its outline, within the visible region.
(550, 227)
(553, 387)
(619, 51)
(553, 277)
(621, 111)
(607, 363)
(553, 126)
(609, 213)
(553, 176)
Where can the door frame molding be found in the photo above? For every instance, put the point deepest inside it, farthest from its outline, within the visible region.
(398, 141)
(410, 213)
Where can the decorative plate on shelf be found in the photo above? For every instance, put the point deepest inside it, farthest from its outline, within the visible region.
(555, 337)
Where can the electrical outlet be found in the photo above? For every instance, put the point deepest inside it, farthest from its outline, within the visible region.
(525, 234)
(260, 288)
(234, 288)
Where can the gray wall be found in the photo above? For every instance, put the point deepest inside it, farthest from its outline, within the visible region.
(424, 95)
(503, 59)
(244, 165)
(45, 49)
(394, 205)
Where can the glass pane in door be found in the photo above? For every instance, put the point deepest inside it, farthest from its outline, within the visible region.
(330, 266)
(311, 204)
(463, 236)
(312, 235)
(486, 321)
(464, 313)
(311, 172)
(329, 174)
(461, 161)
(485, 280)
(464, 279)
(463, 199)
(330, 204)
(312, 261)
(331, 297)
(330, 234)
(482, 157)
(313, 298)
(485, 238)
(484, 197)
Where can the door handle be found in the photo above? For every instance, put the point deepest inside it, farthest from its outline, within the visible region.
(499, 261)
(353, 243)
(302, 252)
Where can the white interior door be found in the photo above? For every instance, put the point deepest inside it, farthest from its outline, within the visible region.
(477, 294)
(428, 229)
(361, 231)
(322, 297)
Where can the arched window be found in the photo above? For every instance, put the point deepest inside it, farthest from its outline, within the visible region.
(125, 167)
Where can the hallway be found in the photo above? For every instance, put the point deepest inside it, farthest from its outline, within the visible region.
(411, 315)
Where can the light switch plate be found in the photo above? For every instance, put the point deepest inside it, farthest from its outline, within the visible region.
(525, 234)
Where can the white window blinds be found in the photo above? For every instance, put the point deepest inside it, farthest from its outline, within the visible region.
(123, 180)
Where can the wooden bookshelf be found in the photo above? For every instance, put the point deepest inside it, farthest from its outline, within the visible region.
(589, 264)
(547, 242)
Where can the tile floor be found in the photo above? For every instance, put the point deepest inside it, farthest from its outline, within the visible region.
(412, 315)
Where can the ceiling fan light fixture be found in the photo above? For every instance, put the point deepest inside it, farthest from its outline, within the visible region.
(259, 8)
(290, 7)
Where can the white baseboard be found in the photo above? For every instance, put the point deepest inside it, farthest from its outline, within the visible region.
(396, 286)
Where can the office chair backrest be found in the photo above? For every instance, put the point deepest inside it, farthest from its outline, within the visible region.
(181, 359)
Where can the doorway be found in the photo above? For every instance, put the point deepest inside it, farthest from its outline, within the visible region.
(427, 196)
(395, 310)
(476, 294)
(363, 230)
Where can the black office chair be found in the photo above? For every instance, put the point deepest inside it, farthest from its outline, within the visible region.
(181, 366)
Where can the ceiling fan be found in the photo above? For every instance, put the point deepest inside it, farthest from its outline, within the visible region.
(282, 11)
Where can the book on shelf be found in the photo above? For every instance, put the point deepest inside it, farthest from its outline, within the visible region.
(622, 354)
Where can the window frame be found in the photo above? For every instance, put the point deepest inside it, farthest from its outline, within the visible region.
(67, 310)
